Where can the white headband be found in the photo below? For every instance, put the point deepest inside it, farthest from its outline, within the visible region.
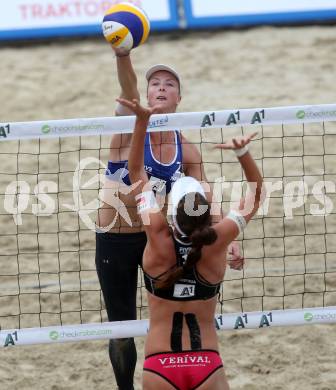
(182, 187)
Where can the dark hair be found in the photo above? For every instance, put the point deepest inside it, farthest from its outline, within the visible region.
(197, 228)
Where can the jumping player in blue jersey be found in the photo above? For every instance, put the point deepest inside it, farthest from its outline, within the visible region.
(120, 237)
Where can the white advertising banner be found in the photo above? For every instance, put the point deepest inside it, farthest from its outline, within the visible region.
(231, 12)
(10, 131)
(40, 16)
(237, 7)
(124, 329)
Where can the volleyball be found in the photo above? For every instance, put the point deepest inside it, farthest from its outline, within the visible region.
(125, 26)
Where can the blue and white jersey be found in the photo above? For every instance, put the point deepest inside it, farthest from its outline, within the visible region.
(162, 176)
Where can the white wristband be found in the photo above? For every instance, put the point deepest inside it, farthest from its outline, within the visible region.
(240, 152)
(239, 220)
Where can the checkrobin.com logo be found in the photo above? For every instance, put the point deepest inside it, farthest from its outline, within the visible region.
(308, 317)
(46, 129)
(53, 335)
(301, 114)
(329, 317)
(73, 334)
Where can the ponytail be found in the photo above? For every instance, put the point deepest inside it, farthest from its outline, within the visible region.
(199, 238)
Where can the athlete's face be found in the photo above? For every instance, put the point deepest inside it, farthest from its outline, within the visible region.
(164, 91)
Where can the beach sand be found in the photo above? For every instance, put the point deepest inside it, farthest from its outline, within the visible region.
(260, 67)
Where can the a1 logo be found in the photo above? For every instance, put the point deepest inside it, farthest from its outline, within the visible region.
(184, 290)
(4, 131)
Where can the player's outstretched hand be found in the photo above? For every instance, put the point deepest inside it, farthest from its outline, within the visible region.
(120, 51)
(140, 111)
(236, 142)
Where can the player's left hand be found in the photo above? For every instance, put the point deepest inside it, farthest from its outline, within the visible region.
(140, 111)
(236, 142)
(234, 258)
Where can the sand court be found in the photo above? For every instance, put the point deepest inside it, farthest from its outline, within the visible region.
(290, 263)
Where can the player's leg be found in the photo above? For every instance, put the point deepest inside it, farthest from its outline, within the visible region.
(117, 259)
(216, 381)
(152, 381)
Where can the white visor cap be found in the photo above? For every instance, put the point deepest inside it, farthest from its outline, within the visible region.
(158, 67)
(182, 187)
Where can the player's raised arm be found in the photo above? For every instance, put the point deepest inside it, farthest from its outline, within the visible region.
(236, 220)
(136, 162)
(153, 220)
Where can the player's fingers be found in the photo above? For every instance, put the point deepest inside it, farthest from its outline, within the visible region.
(251, 136)
(236, 143)
(223, 146)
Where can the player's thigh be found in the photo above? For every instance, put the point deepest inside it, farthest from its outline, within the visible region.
(151, 381)
(217, 381)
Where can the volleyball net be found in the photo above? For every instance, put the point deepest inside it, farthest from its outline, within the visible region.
(51, 176)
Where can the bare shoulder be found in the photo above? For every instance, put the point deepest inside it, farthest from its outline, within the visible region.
(213, 261)
(161, 250)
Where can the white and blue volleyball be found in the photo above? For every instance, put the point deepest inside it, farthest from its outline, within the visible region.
(125, 26)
